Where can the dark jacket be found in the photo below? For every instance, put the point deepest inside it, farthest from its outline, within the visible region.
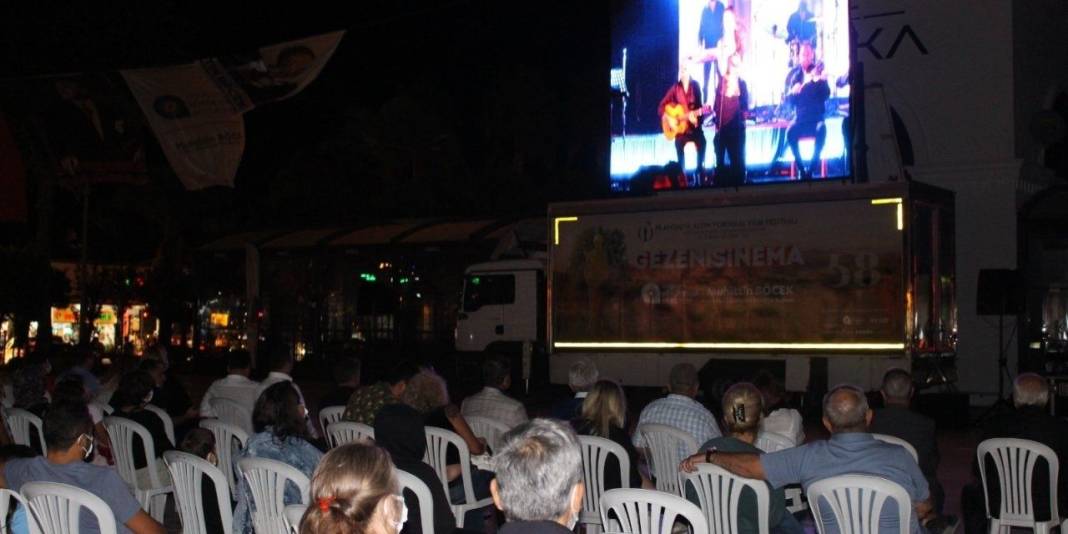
(912, 427)
(1035, 424)
(533, 527)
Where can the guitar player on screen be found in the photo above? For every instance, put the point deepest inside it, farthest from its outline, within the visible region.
(682, 115)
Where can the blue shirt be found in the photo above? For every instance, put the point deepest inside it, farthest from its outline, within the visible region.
(104, 482)
(682, 413)
(853, 453)
(293, 451)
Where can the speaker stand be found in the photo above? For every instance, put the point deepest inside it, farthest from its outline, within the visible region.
(1003, 402)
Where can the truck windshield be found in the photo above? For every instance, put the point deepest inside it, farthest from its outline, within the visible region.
(488, 289)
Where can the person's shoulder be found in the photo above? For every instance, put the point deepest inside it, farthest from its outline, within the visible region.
(17, 466)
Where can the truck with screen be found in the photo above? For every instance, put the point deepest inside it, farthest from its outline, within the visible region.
(859, 274)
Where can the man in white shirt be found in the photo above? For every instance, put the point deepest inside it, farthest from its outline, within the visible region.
(491, 402)
(236, 386)
(281, 367)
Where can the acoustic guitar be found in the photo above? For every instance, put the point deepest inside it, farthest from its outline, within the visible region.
(677, 120)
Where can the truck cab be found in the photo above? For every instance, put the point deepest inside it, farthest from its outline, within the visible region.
(502, 306)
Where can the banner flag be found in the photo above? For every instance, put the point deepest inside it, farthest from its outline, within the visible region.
(201, 134)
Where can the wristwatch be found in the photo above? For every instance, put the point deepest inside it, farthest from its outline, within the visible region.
(708, 455)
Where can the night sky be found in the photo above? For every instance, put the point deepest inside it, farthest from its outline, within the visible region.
(427, 108)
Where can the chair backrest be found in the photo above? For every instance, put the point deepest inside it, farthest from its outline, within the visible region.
(6, 497)
(293, 514)
(188, 472)
(267, 486)
(330, 415)
(422, 494)
(20, 423)
(773, 442)
(344, 432)
(225, 435)
(595, 454)
(168, 423)
(665, 444)
(437, 444)
(121, 431)
(230, 411)
(719, 493)
(104, 407)
(898, 441)
(487, 428)
(639, 511)
(1015, 461)
(856, 502)
(57, 507)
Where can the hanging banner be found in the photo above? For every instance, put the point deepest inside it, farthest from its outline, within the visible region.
(198, 129)
(273, 72)
(12, 177)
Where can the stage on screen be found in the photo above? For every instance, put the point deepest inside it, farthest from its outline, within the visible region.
(738, 91)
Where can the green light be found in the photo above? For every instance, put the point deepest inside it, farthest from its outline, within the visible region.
(368, 277)
(404, 280)
(475, 281)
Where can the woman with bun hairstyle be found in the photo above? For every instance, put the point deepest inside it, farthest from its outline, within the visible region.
(354, 491)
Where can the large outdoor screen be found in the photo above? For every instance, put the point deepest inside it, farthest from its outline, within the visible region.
(752, 90)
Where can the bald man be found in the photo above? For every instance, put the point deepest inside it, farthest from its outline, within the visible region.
(1030, 420)
(850, 451)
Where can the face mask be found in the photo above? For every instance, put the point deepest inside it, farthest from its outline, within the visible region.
(574, 515)
(88, 451)
(148, 398)
(213, 459)
(402, 517)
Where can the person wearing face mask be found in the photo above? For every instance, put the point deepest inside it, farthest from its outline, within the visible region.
(68, 432)
(200, 442)
(135, 391)
(539, 478)
(355, 491)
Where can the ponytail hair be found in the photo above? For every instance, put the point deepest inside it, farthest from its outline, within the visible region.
(348, 489)
(743, 408)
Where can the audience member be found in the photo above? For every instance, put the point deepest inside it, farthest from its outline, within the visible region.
(281, 369)
(235, 386)
(17, 524)
(134, 393)
(200, 442)
(743, 410)
(281, 434)
(680, 410)
(426, 392)
(400, 431)
(354, 491)
(851, 450)
(1029, 420)
(85, 361)
(68, 433)
(29, 384)
(896, 419)
(539, 479)
(778, 417)
(346, 379)
(581, 376)
(170, 393)
(492, 402)
(70, 388)
(365, 403)
(604, 414)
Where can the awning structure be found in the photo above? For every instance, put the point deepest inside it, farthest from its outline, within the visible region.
(413, 232)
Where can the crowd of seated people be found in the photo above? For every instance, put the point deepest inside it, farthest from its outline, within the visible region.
(355, 489)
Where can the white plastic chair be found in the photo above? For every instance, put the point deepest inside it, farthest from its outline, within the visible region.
(232, 412)
(104, 407)
(267, 484)
(330, 415)
(489, 429)
(168, 423)
(773, 442)
(344, 432)
(720, 492)
(595, 454)
(438, 441)
(411, 482)
(294, 513)
(20, 424)
(225, 434)
(6, 497)
(121, 431)
(1015, 461)
(57, 507)
(898, 441)
(639, 511)
(665, 444)
(188, 472)
(856, 502)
